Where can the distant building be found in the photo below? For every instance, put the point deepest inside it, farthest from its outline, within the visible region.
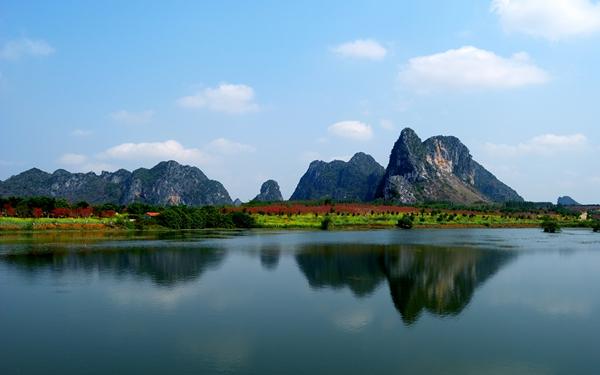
(152, 214)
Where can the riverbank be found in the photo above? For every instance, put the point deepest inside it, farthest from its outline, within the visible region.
(296, 221)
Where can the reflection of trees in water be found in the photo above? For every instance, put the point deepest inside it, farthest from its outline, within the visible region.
(164, 266)
(439, 280)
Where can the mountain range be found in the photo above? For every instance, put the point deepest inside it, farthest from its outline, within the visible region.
(167, 183)
(440, 168)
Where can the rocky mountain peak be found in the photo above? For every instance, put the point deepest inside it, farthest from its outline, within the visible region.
(355, 180)
(440, 169)
(269, 192)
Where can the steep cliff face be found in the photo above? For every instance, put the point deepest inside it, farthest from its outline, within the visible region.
(355, 180)
(167, 183)
(269, 192)
(439, 169)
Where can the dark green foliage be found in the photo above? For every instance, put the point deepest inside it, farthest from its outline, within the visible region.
(141, 208)
(596, 226)
(550, 225)
(405, 222)
(183, 217)
(326, 223)
(242, 220)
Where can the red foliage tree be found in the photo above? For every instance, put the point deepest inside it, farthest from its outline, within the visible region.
(84, 211)
(37, 212)
(108, 213)
(9, 210)
(62, 212)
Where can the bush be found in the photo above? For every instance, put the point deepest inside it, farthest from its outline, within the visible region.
(596, 226)
(326, 223)
(550, 225)
(405, 222)
(242, 220)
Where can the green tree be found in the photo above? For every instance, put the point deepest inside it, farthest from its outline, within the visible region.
(405, 222)
(550, 225)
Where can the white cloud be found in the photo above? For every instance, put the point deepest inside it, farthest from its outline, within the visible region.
(469, 68)
(545, 145)
(387, 125)
(81, 133)
(354, 130)
(15, 49)
(352, 321)
(361, 49)
(72, 159)
(133, 118)
(82, 163)
(228, 147)
(227, 98)
(155, 151)
(550, 19)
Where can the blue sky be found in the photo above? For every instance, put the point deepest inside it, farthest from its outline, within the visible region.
(254, 90)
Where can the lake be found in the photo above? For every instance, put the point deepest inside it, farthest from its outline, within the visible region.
(459, 301)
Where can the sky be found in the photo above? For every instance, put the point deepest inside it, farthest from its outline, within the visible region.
(248, 91)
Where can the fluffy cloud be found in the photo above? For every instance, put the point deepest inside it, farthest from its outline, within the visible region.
(133, 118)
(545, 145)
(227, 98)
(361, 49)
(227, 147)
(470, 68)
(152, 152)
(387, 125)
(82, 163)
(354, 130)
(72, 159)
(550, 19)
(155, 151)
(15, 49)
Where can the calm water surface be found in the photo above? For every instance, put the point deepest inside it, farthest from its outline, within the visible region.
(491, 301)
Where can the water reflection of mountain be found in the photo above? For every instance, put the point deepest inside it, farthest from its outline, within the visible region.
(438, 280)
(269, 257)
(164, 266)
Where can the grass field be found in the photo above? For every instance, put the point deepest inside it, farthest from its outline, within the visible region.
(420, 220)
(366, 218)
(17, 223)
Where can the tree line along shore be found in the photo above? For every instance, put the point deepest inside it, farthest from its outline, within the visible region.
(45, 213)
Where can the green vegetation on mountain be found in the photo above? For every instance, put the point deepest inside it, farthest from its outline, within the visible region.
(166, 183)
(355, 180)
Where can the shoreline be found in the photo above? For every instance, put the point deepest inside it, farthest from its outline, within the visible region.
(94, 227)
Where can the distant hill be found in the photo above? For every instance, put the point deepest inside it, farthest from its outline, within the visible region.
(439, 169)
(167, 183)
(269, 192)
(566, 201)
(355, 180)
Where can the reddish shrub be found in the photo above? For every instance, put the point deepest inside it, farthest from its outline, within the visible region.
(37, 212)
(62, 212)
(9, 210)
